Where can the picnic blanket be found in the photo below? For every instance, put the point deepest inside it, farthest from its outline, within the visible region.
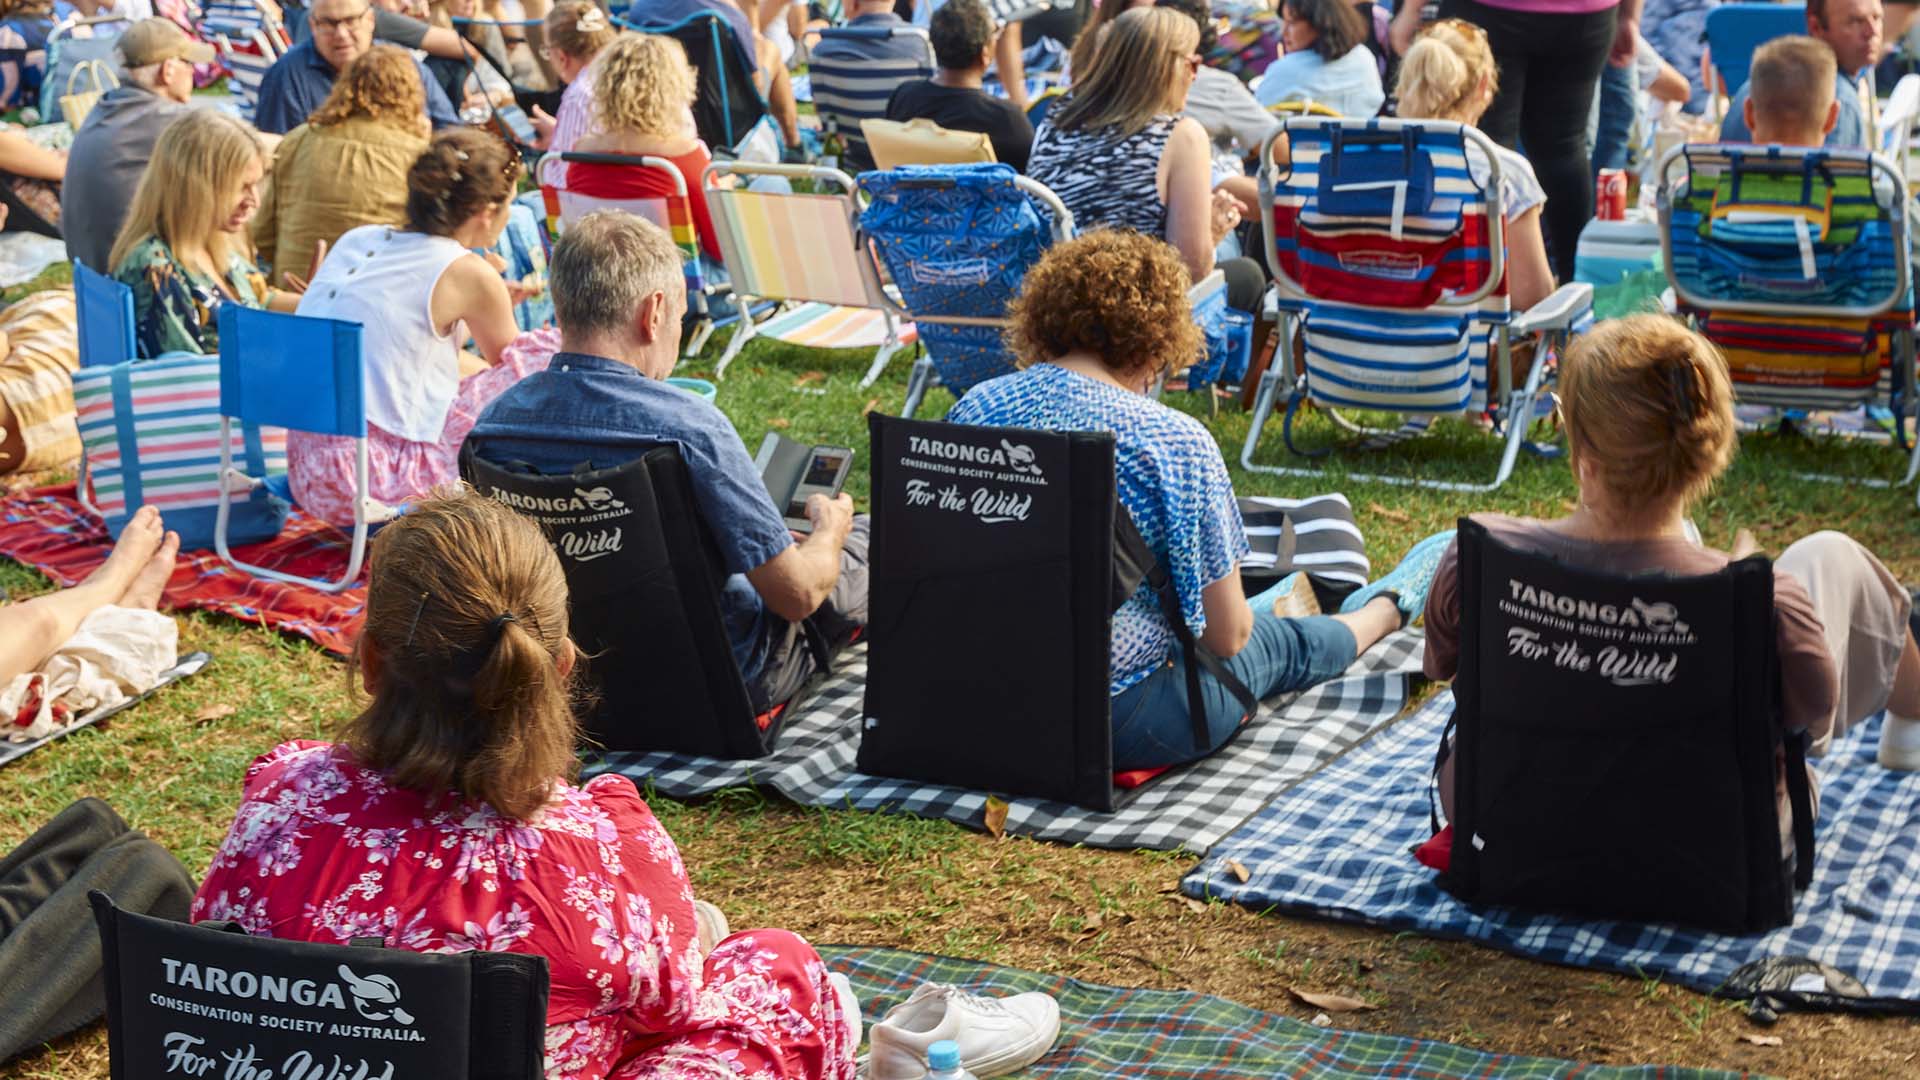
(813, 763)
(46, 529)
(1115, 1031)
(1338, 846)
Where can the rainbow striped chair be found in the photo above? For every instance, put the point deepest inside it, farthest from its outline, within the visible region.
(649, 187)
(1795, 262)
(1388, 257)
(801, 249)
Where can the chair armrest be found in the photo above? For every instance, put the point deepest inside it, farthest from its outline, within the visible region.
(1557, 312)
(1217, 279)
(1903, 107)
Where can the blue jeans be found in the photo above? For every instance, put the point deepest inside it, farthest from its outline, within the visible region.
(1152, 726)
(1615, 108)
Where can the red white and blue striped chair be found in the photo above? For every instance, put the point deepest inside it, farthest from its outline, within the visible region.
(1390, 259)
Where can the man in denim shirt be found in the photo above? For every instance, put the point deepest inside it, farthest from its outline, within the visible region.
(619, 296)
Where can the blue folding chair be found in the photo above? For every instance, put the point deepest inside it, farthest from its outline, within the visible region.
(1735, 31)
(302, 374)
(852, 88)
(104, 310)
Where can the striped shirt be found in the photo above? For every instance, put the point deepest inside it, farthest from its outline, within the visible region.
(1103, 178)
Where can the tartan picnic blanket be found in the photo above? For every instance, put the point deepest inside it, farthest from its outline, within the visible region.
(1190, 808)
(45, 528)
(1115, 1031)
(1338, 846)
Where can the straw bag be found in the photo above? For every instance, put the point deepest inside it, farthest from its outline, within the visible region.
(75, 106)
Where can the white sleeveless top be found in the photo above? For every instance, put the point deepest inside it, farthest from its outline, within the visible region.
(383, 279)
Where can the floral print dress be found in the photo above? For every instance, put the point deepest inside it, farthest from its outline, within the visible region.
(325, 849)
(176, 309)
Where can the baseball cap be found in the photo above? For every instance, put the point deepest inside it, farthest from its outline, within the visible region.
(150, 41)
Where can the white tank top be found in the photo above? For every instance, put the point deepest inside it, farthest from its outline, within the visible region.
(383, 279)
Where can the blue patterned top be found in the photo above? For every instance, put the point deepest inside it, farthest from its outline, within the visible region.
(1170, 477)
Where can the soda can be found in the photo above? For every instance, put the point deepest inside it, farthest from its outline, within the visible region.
(1610, 195)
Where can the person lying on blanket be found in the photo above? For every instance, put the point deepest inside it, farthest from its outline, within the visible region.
(467, 746)
(619, 296)
(1648, 410)
(1098, 319)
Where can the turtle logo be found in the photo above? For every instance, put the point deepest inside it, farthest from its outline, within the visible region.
(377, 997)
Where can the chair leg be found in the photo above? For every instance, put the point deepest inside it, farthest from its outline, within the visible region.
(744, 332)
(702, 330)
(880, 358)
(1262, 411)
(917, 385)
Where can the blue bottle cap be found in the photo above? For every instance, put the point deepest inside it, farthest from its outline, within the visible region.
(943, 1056)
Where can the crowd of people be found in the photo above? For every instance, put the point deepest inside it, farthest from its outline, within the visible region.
(357, 193)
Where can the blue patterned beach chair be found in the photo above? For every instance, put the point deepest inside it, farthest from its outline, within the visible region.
(1795, 261)
(1390, 260)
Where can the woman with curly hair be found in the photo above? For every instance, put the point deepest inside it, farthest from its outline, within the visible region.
(1098, 319)
(642, 88)
(347, 165)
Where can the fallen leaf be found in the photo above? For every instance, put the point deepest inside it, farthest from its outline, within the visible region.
(872, 404)
(1331, 1002)
(996, 817)
(214, 712)
(1238, 870)
(1400, 516)
(1196, 906)
(1170, 887)
(1093, 925)
(1759, 1040)
(1563, 1019)
(779, 422)
(1322, 1020)
(809, 377)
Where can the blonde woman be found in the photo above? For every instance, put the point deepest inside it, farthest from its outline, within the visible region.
(1649, 420)
(1449, 74)
(1119, 154)
(347, 165)
(183, 249)
(576, 31)
(642, 88)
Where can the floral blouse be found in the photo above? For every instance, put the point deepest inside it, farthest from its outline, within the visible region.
(176, 309)
(325, 849)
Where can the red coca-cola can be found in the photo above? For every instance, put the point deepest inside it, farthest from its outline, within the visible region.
(1610, 195)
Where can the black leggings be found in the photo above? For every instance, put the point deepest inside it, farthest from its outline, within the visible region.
(1549, 70)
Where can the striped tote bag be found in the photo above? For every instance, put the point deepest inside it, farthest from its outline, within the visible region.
(150, 430)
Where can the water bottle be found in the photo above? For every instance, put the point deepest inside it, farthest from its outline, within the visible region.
(943, 1062)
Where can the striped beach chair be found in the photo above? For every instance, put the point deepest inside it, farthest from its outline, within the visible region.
(848, 91)
(1795, 262)
(801, 249)
(648, 187)
(1390, 259)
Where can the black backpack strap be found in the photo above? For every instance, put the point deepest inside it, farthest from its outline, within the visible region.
(1800, 798)
(1131, 548)
(1440, 757)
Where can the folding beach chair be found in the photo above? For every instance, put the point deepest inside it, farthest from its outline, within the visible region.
(1736, 31)
(800, 248)
(1391, 261)
(104, 310)
(847, 92)
(645, 577)
(997, 562)
(728, 110)
(302, 374)
(246, 52)
(182, 999)
(920, 141)
(957, 240)
(66, 52)
(648, 187)
(1795, 262)
(1616, 744)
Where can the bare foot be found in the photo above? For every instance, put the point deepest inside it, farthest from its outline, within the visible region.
(147, 585)
(138, 541)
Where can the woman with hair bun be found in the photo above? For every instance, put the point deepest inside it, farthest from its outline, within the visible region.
(1648, 410)
(446, 818)
(420, 292)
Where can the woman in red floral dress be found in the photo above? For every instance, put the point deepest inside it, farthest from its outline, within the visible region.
(443, 820)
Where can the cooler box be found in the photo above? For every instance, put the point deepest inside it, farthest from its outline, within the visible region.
(1610, 250)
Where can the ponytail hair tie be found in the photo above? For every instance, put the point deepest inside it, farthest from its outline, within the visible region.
(499, 624)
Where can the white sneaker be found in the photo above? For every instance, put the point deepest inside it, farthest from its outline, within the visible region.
(996, 1035)
(1900, 743)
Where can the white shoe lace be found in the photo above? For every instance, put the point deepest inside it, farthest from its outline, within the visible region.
(979, 1001)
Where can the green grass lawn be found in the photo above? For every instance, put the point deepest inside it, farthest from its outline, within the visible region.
(173, 767)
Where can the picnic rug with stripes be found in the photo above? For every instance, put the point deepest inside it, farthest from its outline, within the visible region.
(46, 529)
(812, 763)
(1338, 846)
(1115, 1031)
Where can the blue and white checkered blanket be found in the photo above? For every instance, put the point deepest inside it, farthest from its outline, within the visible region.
(1338, 845)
